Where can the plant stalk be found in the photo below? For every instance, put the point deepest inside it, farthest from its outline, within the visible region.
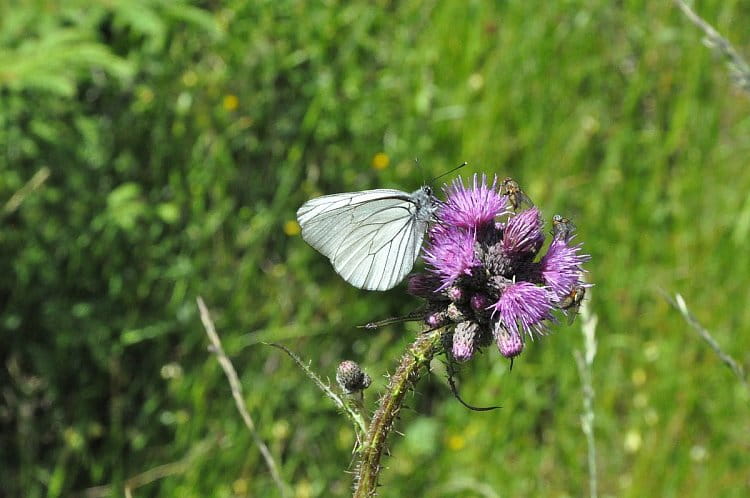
(409, 371)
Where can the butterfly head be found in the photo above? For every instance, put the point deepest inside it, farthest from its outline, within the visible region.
(426, 203)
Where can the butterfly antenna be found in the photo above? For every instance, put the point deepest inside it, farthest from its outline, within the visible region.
(450, 171)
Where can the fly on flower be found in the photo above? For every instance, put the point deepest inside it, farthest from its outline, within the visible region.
(571, 303)
(562, 227)
(515, 195)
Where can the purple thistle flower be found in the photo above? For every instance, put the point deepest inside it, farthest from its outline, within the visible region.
(523, 233)
(450, 252)
(423, 285)
(472, 207)
(484, 279)
(561, 269)
(523, 306)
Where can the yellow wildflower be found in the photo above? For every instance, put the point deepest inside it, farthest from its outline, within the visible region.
(291, 228)
(231, 102)
(380, 161)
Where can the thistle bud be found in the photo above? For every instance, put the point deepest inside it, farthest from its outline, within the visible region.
(464, 340)
(351, 377)
(509, 343)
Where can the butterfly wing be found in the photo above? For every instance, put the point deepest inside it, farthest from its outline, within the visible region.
(372, 237)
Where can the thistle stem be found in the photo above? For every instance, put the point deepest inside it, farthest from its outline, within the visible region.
(409, 371)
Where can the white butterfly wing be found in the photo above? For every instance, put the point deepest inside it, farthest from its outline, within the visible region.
(372, 237)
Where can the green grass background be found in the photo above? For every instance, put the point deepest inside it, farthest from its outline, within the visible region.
(181, 137)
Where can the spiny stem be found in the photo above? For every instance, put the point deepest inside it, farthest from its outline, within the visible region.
(418, 355)
(351, 410)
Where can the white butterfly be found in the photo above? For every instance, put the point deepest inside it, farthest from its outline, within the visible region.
(372, 237)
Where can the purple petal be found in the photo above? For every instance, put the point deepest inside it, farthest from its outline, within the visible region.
(472, 207)
(523, 307)
(523, 233)
(450, 253)
(423, 285)
(561, 267)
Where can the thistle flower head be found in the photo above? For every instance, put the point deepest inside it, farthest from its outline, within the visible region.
(472, 207)
(523, 307)
(455, 294)
(450, 252)
(437, 319)
(523, 233)
(485, 275)
(479, 302)
(560, 268)
(423, 285)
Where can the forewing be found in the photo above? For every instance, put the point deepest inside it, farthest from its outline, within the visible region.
(371, 237)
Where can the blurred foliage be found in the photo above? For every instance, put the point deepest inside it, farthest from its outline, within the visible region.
(156, 150)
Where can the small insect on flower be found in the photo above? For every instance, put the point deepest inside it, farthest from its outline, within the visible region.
(516, 197)
(571, 303)
(562, 228)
